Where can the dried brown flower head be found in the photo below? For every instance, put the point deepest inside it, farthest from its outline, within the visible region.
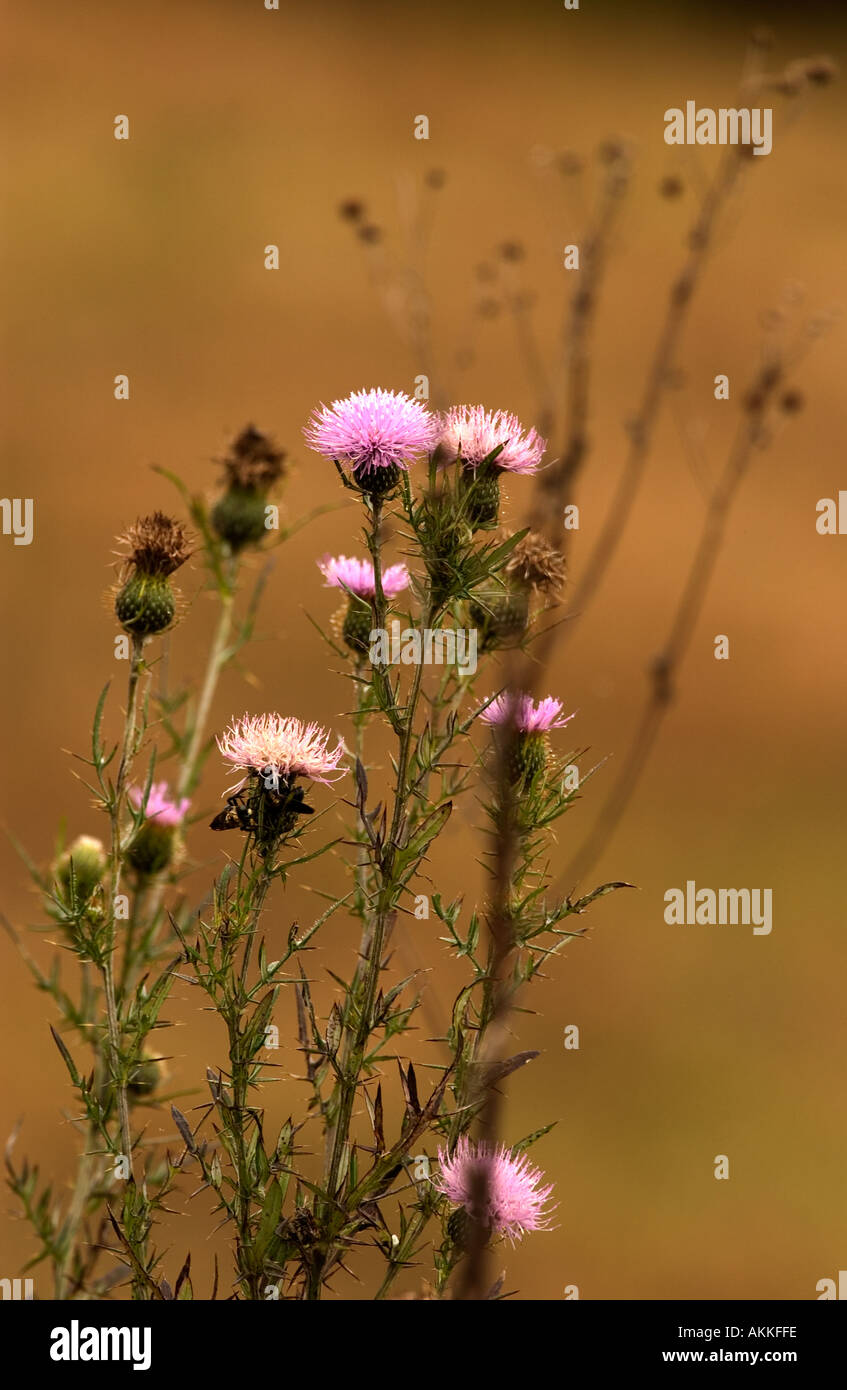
(569, 163)
(512, 251)
(156, 544)
(821, 70)
(254, 462)
(610, 151)
(538, 565)
(671, 186)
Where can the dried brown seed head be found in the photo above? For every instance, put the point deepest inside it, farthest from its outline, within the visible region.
(156, 544)
(671, 186)
(569, 163)
(254, 462)
(821, 70)
(512, 251)
(538, 565)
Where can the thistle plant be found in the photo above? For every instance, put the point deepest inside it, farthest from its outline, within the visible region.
(349, 1168)
(393, 1141)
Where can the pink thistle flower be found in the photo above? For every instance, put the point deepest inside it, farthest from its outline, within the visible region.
(161, 808)
(522, 714)
(285, 746)
(471, 432)
(373, 429)
(516, 1196)
(344, 572)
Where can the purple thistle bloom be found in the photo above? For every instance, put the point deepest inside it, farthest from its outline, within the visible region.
(373, 429)
(516, 1196)
(344, 572)
(160, 806)
(524, 715)
(471, 432)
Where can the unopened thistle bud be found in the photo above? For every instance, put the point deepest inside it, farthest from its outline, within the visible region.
(501, 614)
(81, 869)
(251, 468)
(156, 546)
(148, 1076)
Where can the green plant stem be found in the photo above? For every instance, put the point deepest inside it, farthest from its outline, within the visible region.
(241, 1067)
(113, 1022)
(218, 657)
(373, 962)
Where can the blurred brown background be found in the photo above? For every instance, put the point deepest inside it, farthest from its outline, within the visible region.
(146, 257)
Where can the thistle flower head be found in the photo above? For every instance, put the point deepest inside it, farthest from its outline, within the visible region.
(253, 462)
(345, 572)
(516, 1195)
(472, 433)
(286, 746)
(156, 545)
(521, 713)
(372, 430)
(537, 565)
(160, 807)
(143, 599)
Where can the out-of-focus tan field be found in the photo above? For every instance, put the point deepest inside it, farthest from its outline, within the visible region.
(145, 257)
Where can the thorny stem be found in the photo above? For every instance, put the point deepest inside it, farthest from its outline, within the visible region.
(113, 1023)
(218, 656)
(241, 1066)
(375, 936)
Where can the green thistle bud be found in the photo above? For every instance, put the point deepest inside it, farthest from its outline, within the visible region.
(357, 626)
(151, 849)
(145, 605)
(239, 517)
(147, 1077)
(500, 614)
(482, 496)
(89, 861)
